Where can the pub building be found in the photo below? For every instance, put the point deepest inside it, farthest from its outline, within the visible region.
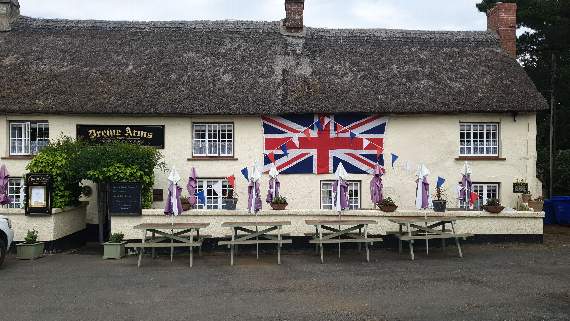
(220, 96)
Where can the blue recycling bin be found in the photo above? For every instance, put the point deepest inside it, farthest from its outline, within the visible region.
(557, 210)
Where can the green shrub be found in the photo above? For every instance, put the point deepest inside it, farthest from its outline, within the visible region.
(116, 238)
(387, 202)
(279, 200)
(69, 161)
(31, 237)
(493, 202)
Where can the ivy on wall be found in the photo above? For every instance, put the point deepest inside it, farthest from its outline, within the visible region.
(70, 161)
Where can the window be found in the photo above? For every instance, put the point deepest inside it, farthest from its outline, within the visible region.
(15, 192)
(28, 138)
(479, 139)
(327, 195)
(485, 191)
(213, 140)
(213, 200)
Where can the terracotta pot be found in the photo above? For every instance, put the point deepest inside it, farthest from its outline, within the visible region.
(526, 198)
(493, 209)
(388, 208)
(278, 207)
(185, 204)
(536, 205)
(230, 203)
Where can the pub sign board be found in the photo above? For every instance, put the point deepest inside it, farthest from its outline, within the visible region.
(147, 135)
(38, 194)
(125, 199)
(520, 187)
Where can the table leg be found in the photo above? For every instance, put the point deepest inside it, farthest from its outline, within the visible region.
(339, 243)
(366, 243)
(411, 242)
(171, 247)
(198, 239)
(456, 240)
(316, 244)
(257, 244)
(153, 250)
(320, 231)
(400, 240)
(360, 235)
(279, 245)
(232, 247)
(191, 248)
(142, 248)
(443, 239)
(427, 241)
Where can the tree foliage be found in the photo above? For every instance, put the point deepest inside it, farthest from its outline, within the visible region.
(69, 162)
(546, 25)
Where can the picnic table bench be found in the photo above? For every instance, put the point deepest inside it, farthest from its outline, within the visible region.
(179, 234)
(426, 228)
(336, 232)
(252, 236)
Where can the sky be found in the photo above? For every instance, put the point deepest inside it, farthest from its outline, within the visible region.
(403, 14)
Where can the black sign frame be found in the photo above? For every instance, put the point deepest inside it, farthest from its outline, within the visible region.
(36, 184)
(126, 203)
(146, 135)
(520, 188)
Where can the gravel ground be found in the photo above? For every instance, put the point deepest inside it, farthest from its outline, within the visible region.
(492, 282)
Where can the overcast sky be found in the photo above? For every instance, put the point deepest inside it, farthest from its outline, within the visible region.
(403, 14)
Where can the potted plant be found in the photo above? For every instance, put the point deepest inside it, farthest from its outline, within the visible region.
(537, 204)
(387, 205)
(185, 203)
(115, 247)
(230, 201)
(439, 203)
(279, 203)
(31, 248)
(493, 206)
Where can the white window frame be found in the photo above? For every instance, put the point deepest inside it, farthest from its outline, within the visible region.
(485, 192)
(23, 141)
(484, 145)
(15, 192)
(353, 200)
(213, 201)
(216, 139)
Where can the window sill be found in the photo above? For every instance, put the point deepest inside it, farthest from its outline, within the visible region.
(26, 157)
(484, 158)
(211, 158)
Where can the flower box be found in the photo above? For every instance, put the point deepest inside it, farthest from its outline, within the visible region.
(113, 250)
(25, 251)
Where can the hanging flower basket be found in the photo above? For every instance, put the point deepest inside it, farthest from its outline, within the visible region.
(495, 209)
(279, 206)
(388, 208)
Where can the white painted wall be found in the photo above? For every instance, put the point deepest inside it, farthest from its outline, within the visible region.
(429, 139)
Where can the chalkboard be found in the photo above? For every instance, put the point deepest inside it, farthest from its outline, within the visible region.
(520, 187)
(125, 199)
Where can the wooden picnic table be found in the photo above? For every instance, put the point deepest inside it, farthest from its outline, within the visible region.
(252, 236)
(179, 234)
(336, 233)
(426, 228)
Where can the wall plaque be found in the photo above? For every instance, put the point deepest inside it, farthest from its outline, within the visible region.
(520, 187)
(38, 194)
(125, 199)
(147, 135)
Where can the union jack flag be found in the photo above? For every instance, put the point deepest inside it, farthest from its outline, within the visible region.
(320, 151)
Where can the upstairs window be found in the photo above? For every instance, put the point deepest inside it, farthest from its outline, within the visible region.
(327, 195)
(479, 139)
(28, 137)
(213, 200)
(213, 139)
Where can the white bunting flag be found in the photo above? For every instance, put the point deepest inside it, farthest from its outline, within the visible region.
(217, 187)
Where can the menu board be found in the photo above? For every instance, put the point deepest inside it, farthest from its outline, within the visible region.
(125, 199)
(520, 187)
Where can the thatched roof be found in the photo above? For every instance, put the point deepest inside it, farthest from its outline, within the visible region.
(237, 67)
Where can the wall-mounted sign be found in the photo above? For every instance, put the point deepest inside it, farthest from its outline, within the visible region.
(520, 187)
(147, 135)
(125, 199)
(38, 194)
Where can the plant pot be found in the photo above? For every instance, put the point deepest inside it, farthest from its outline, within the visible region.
(388, 208)
(185, 205)
(495, 209)
(536, 205)
(439, 205)
(526, 198)
(113, 250)
(230, 203)
(29, 251)
(278, 207)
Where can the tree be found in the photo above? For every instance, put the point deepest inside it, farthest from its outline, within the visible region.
(547, 32)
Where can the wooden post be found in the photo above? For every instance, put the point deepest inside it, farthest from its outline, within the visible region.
(552, 121)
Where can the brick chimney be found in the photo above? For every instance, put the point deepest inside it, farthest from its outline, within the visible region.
(293, 21)
(502, 19)
(9, 12)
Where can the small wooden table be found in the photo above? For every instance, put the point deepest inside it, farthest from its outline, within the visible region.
(349, 233)
(182, 233)
(422, 228)
(253, 236)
